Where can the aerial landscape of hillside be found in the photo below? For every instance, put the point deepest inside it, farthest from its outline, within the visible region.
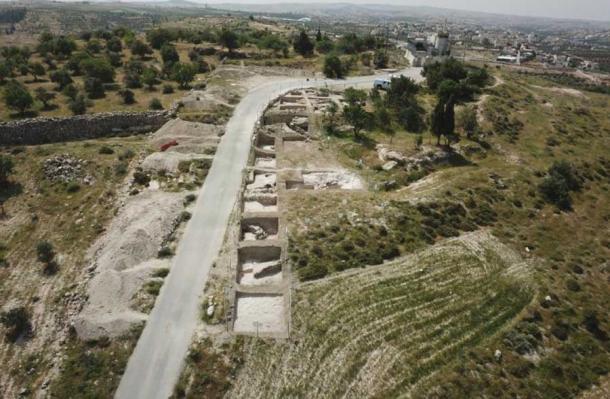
(289, 200)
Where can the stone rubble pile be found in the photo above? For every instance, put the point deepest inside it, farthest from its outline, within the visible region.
(64, 168)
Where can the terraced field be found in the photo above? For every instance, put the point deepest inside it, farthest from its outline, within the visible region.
(378, 332)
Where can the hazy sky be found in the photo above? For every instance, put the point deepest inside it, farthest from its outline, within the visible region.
(585, 9)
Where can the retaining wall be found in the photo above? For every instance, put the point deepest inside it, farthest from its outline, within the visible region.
(49, 130)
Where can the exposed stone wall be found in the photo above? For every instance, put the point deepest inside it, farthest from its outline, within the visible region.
(50, 130)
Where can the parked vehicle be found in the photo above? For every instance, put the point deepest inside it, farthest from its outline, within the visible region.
(382, 84)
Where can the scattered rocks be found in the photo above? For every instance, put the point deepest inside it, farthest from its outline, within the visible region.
(389, 165)
(429, 157)
(256, 231)
(498, 355)
(210, 310)
(497, 180)
(300, 122)
(65, 168)
(386, 154)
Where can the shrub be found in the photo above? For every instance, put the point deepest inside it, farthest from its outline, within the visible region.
(72, 187)
(560, 180)
(94, 88)
(165, 252)
(105, 150)
(126, 154)
(78, 106)
(313, 271)
(6, 169)
(185, 216)
(141, 178)
(190, 198)
(168, 89)
(127, 96)
(45, 252)
(17, 97)
(333, 67)
(161, 272)
(17, 322)
(155, 104)
(153, 287)
(120, 169)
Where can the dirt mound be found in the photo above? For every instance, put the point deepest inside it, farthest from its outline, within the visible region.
(123, 257)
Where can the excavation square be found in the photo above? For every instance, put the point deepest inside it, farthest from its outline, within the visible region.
(260, 314)
(259, 228)
(263, 203)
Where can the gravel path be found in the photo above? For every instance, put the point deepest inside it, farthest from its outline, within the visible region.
(158, 358)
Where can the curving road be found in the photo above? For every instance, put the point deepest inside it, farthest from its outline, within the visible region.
(156, 363)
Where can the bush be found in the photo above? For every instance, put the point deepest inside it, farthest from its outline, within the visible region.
(6, 169)
(165, 252)
(78, 106)
(185, 216)
(313, 271)
(45, 252)
(333, 67)
(17, 322)
(105, 150)
(72, 187)
(141, 178)
(127, 154)
(128, 96)
(161, 272)
(94, 88)
(155, 104)
(190, 198)
(120, 169)
(561, 179)
(168, 89)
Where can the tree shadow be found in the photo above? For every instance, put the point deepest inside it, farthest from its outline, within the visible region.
(7, 191)
(26, 114)
(49, 107)
(365, 141)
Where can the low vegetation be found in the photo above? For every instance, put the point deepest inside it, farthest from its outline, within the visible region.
(93, 369)
(380, 332)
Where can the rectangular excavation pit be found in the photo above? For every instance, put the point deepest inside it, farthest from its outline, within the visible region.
(259, 265)
(267, 162)
(262, 183)
(264, 139)
(262, 203)
(259, 228)
(260, 314)
(292, 107)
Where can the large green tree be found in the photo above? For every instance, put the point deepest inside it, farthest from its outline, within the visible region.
(357, 116)
(169, 54)
(228, 39)
(333, 67)
(303, 45)
(98, 68)
(183, 74)
(17, 97)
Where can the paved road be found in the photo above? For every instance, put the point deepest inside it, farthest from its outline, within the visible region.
(156, 363)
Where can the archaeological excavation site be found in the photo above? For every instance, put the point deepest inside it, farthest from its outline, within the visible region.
(302, 201)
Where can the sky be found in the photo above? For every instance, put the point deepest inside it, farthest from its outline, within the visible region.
(581, 9)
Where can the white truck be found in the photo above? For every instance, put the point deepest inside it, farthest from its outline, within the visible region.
(382, 84)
